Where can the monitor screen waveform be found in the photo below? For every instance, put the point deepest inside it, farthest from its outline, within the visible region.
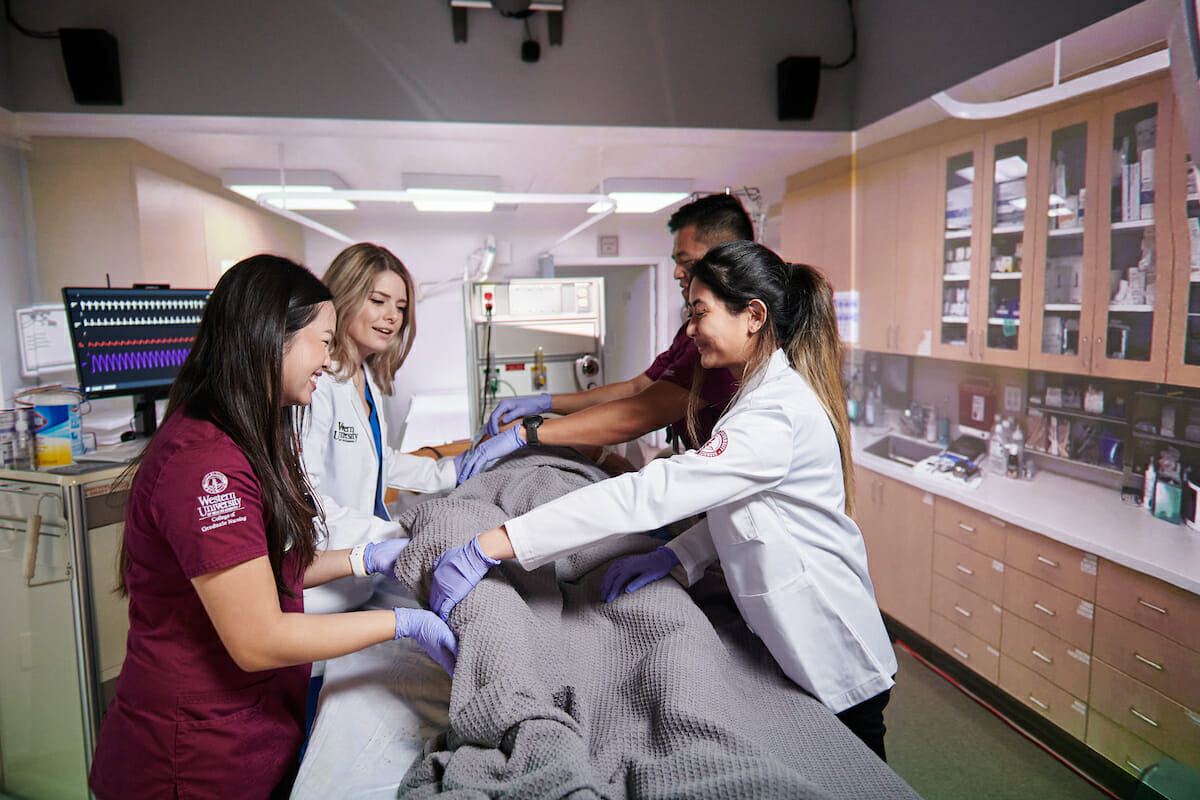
(131, 341)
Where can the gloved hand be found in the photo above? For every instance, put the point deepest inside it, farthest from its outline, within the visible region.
(511, 408)
(489, 450)
(633, 572)
(380, 557)
(455, 574)
(434, 635)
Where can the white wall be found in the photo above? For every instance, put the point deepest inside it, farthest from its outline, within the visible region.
(439, 247)
(16, 269)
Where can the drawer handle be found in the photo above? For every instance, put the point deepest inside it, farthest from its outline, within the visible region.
(964, 570)
(962, 610)
(966, 527)
(1048, 562)
(1044, 610)
(1142, 717)
(1133, 766)
(961, 654)
(1147, 662)
(1038, 703)
(1047, 659)
(1152, 607)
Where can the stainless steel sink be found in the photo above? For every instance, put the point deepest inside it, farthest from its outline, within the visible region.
(901, 450)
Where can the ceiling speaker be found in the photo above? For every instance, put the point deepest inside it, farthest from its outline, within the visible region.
(796, 80)
(90, 56)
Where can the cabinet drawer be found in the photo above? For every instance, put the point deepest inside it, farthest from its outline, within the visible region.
(978, 572)
(975, 529)
(968, 649)
(1059, 662)
(1152, 603)
(971, 612)
(1062, 613)
(1119, 745)
(1150, 657)
(1058, 564)
(1144, 712)
(1060, 707)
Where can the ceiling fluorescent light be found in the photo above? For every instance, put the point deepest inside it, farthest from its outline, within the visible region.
(307, 184)
(451, 200)
(642, 195)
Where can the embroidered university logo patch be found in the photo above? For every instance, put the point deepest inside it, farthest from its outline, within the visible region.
(218, 507)
(345, 433)
(714, 446)
(214, 482)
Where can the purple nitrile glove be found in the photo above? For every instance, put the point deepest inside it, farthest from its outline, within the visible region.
(633, 572)
(511, 408)
(455, 574)
(380, 557)
(431, 633)
(490, 450)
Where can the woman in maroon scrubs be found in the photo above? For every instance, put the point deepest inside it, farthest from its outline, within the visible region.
(218, 547)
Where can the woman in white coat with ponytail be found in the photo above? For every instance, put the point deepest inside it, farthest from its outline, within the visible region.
(776, 482)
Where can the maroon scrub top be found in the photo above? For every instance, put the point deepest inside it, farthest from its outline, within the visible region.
(676, 365)
(186, 721)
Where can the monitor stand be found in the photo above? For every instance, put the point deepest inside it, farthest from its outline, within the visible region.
(145, 417)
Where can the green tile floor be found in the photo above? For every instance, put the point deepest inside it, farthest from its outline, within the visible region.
(948, 747)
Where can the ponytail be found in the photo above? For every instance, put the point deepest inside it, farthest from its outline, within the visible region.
(814, 349)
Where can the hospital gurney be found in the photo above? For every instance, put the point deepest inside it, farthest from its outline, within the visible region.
(663, 692)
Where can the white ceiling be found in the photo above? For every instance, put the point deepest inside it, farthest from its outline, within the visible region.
(562, 159)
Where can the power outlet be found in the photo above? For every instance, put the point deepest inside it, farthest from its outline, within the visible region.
(1013, 399)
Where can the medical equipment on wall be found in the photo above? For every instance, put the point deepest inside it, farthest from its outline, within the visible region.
(532, 335)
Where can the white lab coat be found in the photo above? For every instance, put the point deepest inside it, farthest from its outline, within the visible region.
(339, 456)
(771, 481)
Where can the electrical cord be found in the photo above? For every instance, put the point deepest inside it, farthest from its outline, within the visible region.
(1006, 720)
(853, 41)
(8, 16)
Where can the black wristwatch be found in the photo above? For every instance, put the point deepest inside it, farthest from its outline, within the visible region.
(531, 424)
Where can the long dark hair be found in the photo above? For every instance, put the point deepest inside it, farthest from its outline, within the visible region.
(801, 319)
(233, 378)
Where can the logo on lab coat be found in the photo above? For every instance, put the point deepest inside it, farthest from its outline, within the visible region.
(715, 446)
(345, 433)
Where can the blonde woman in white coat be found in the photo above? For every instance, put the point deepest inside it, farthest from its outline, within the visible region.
(775, 479)
(345, 434)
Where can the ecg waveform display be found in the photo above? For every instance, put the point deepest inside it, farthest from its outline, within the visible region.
(129, 341)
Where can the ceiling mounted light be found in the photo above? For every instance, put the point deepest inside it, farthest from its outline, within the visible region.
(307, 184)
(451, 200)
(641, 195)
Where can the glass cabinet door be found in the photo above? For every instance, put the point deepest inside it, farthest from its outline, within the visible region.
(1183, 367)
(1003, 336)
(953, 338)
(1061, 297)
(1134, 269)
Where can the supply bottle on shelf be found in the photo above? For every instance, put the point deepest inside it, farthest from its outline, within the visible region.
(24, 450)
(997, 459)
(1016, 449)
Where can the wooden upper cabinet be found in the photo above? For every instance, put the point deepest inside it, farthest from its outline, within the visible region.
(1183, 348)
(917, 249)
(875, 255)
(1011, 171)
(1133, 269)
(957, 288)
(1065, 219)
(816, 228)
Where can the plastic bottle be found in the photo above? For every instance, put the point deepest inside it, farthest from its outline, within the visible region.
(997, 449)
(871, 412)
(1149, 485)
(24, 451)
(1016, 446)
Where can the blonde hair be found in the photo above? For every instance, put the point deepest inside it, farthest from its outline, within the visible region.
(801, 319)
(350, 278)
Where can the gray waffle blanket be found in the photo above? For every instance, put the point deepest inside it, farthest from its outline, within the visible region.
(663, 693)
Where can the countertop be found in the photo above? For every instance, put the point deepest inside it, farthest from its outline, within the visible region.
(1081, 514)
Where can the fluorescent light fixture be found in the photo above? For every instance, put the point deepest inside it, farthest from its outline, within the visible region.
(451, 200)
(641, 195)
(307, 184)
(306, 203)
